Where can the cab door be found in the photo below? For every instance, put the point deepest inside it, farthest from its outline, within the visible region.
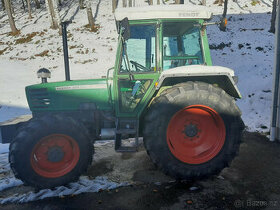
(136, 70)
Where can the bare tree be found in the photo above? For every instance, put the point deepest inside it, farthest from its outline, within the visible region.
(114, 5)
(220, 2)
(53, 13)
(14, 29)
(90, 16)
(12, 8)
(3, 5)
(158, 2)
(81, 4)
(124, 3)
(273, 17)
(150, 2)
(130, 3)
(37, 3)
(203, 2)
(29, 9)
(23, 5)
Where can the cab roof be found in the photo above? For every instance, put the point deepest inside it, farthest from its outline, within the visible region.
(163, 12)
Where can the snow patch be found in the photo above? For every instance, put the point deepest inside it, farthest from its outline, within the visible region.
(82, 186)
(9, 182)
(4, 148)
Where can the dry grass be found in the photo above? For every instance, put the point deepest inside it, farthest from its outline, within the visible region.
(42, 54)
(2, 51)
(73, 46)
(14, 34)
(28, 37)
(94, 28)
(255, 2)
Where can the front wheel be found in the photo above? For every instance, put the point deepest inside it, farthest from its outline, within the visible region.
(193, 130)
(50, 151)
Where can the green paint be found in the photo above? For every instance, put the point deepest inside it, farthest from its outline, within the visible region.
(68, 95)
(116, 93)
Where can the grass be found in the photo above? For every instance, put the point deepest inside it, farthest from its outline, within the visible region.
(42, 54)
(28, 37)
(2, 51)
(94, 28)
(255, 2)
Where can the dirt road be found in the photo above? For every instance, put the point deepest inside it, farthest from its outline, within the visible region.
(252, 182)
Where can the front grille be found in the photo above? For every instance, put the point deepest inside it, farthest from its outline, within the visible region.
(39, 98)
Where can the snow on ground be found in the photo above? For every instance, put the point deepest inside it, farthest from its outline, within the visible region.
(84, 184)
(4, 148)
(81, 186)
(246, 47)
(249, 53)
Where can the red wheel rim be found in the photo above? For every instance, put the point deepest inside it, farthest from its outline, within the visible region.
(55, 155)
(196, 134)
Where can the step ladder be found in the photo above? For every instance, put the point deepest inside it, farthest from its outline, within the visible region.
(126, 127)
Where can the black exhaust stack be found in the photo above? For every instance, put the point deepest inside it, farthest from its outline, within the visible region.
(65, 49)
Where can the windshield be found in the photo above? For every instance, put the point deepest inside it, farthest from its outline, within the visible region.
(140, 48)
(181, 44)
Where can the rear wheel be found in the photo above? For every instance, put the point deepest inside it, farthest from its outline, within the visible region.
(193, 130)
(50, 151)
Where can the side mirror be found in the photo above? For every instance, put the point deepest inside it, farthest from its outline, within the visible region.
(124, 28)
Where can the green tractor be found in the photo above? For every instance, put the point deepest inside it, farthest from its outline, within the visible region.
(163, 88)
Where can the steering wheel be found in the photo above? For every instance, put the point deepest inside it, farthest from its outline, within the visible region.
(139, 67)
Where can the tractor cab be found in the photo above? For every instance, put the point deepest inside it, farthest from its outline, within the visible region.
(152, 40)
(160, 37)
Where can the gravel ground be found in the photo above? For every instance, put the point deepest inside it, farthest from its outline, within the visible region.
(252, 182)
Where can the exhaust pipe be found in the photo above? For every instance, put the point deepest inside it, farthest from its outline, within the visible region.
(65, 49)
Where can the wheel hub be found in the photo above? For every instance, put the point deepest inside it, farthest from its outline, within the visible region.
(195, 134)
(191, 130)
(55, 154)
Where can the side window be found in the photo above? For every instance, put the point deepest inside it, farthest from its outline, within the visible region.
(181, 45)
(191, 42)
(140, 48)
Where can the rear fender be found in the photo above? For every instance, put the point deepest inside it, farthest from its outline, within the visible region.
(215, 75)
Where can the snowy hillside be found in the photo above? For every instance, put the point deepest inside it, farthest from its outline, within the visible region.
(246, 47)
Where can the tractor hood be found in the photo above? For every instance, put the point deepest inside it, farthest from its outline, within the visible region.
(69, 95)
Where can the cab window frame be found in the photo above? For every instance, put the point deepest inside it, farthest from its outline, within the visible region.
(154, 23)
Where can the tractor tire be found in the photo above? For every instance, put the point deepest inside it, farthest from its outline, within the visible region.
(50, 151)
(192, 130)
